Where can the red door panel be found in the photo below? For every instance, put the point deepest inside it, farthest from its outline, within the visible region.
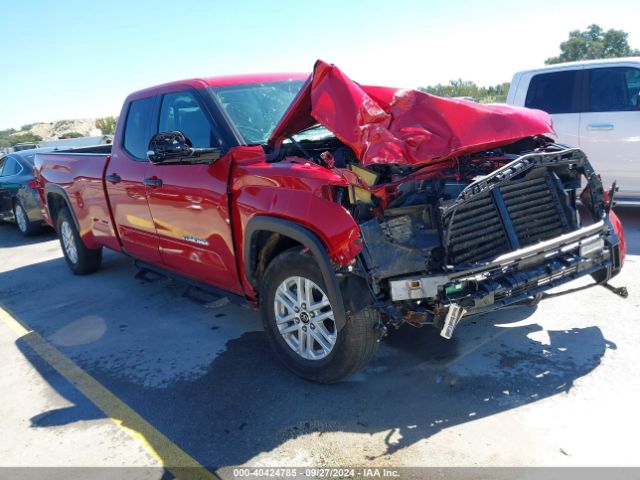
(128, 199)
(124, 180)
(191, 216)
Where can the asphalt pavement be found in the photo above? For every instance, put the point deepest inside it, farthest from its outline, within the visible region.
(111, 370)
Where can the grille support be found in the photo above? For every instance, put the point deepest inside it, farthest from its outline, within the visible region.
(515, 214)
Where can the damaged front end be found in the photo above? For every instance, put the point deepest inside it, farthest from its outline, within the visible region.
(504, 239)
(462, 209)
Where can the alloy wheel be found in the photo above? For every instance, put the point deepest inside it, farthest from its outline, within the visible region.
(21, 219)
(69, 242)
(304, 318)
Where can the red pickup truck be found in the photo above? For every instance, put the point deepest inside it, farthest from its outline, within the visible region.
(338, 209)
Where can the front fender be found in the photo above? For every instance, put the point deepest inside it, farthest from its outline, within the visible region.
(309, 240)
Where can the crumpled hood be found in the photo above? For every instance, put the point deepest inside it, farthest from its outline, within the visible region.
(389, 125)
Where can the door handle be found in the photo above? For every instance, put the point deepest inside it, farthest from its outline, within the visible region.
(600, 127)
(113, 178)
(153, 182)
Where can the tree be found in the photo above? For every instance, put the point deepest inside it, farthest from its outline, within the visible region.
(107, 125)
(8, 139)
(467, 88)
(592, 44)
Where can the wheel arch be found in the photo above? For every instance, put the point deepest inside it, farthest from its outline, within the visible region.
(289, 234)
(58, 199)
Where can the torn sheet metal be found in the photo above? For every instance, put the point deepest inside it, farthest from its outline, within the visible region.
(388, 125)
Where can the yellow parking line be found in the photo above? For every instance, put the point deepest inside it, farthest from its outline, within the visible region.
(172, 457)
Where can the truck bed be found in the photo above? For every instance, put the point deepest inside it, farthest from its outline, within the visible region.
(94, 149)
(77, 177)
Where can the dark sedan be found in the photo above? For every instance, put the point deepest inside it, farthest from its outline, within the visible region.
(19, 202)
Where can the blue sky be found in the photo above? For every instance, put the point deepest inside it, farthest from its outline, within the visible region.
(76, 59)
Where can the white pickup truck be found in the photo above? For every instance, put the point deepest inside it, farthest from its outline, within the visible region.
(594, 105)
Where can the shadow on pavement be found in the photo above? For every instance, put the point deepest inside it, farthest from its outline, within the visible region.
(80, 409)
(243, 402)
(247, 403)
(10, 236)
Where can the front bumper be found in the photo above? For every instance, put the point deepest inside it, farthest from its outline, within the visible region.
(514, 277)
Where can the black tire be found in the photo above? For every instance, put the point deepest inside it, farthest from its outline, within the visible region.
(86, 260)
(355, 345)
(26, 226)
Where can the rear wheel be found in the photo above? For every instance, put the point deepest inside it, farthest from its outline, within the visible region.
(80, 259)
(300, 322)
(25, 225)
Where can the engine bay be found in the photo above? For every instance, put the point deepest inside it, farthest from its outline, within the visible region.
(434, 235)
(450, 215)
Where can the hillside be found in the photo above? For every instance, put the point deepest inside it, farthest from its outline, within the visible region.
(46, 131)
(55, 130)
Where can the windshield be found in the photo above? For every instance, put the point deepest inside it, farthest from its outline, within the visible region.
(256, 108)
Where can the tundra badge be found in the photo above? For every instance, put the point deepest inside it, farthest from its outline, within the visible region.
(192, 239)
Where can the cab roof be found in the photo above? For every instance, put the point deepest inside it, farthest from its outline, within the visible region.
(216, 82)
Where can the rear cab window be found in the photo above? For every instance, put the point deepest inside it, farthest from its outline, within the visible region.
(554, 92)
(136, 130)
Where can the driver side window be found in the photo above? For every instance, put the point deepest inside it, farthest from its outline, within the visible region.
(182, 112)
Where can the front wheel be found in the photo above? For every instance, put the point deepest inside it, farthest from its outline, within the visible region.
(80, 259)
(301, 326)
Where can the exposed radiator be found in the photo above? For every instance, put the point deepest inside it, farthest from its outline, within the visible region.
(534, 213)
(516, 214)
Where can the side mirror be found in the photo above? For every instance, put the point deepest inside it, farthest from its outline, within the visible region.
(174, 147)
